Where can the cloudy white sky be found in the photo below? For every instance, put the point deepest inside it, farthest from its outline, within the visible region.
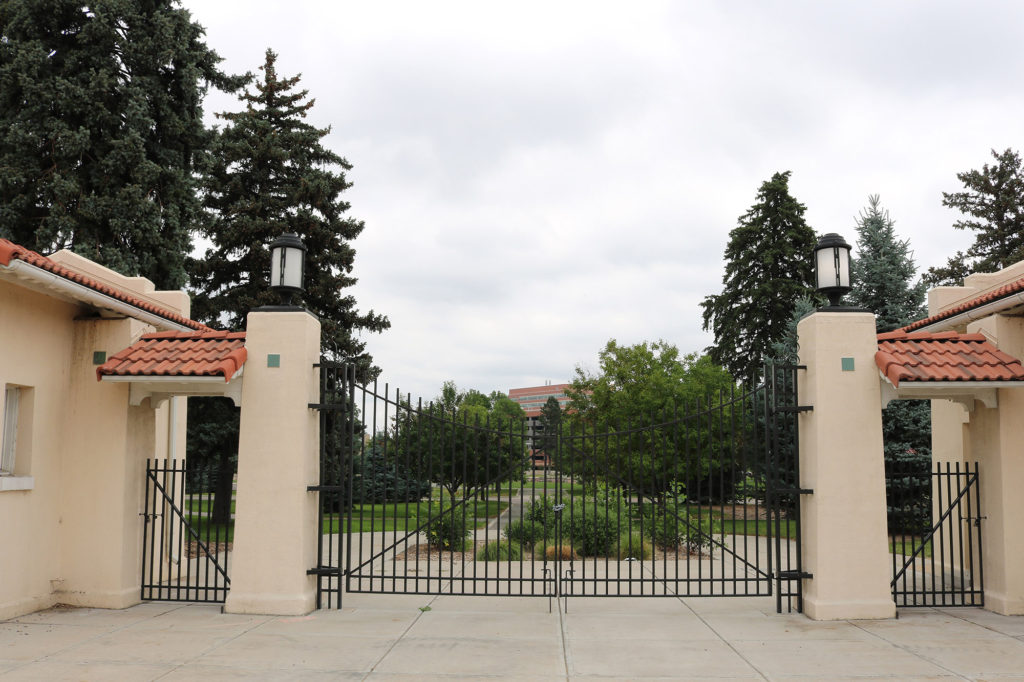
(539, 177)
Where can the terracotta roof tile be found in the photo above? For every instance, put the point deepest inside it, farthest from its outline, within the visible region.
(10, 251)
(1014, 287)
(175, 354)
(944, 356)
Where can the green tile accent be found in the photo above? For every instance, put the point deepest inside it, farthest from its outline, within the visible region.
(99, 357)
(273, 360)
(847, 364)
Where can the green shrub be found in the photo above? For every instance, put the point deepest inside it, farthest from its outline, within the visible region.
(524, 533)
(498, 550)
(633, 545)
(667, 527)
(672, 527)
(593, 531)
(698, 537)
(541, 511)
(448, 528)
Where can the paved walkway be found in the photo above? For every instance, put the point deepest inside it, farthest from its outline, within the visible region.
(460, 638)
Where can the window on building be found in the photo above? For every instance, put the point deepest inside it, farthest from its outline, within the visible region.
(12, 398)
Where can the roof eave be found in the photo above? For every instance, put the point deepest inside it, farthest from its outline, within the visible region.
(160, 388)
(964, 392)
(954, 322)
(49, 281)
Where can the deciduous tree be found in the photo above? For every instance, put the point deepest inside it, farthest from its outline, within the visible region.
(461, 441)
(636, 389)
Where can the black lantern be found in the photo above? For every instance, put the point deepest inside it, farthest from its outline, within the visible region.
(832, 267)
(287, 265)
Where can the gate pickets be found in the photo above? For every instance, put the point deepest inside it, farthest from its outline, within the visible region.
(702, 501)
(184, 555)
(935, 533)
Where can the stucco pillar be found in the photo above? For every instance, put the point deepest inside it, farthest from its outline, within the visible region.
(278, 457)
(844, 533)
(995, 437)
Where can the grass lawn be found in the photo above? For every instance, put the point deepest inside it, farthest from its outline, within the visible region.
(786, 528)
(907, 545)
(203, 505)
(209, 532)
(402, 517)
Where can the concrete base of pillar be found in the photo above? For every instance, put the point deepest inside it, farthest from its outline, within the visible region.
(1002, 604)
(270, 604)
(849, 610)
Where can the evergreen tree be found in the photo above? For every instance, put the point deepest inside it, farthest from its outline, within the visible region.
(270, 175)
(550, 423)
(993, 201)
(769, 266)
(883, 274)
(787, 349)
(101, 132)
(883, 271)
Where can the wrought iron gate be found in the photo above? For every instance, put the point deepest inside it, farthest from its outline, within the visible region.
(184, 554)
(935, 534)
(700, 501)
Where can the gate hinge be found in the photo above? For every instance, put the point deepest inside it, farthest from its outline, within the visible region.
(794, 408)
(325, 570)
(790, 491)
(795, 575)
(337, 407)
(325, 488)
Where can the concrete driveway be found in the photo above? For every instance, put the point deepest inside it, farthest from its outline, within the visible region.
(381, 637)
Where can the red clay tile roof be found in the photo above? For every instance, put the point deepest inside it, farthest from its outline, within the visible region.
(176, 354)
(944, 356)
(10, 251)
(1014, 287)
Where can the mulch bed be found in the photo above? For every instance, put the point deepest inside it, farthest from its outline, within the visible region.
(195, 550)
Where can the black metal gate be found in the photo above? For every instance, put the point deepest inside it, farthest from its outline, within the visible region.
(416, 499)
(184, 554)
(934, 521)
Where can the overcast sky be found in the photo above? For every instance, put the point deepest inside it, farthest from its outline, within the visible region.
(539, 177)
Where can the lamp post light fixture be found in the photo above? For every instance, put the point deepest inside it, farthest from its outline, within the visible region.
(832, 269)
(287, 266)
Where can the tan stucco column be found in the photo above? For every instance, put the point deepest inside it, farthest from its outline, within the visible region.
(278, 457)
(995, 438)
(845, 541)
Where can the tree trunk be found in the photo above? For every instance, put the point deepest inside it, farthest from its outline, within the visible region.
(222, 496)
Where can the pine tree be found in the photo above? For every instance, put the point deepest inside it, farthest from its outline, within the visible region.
(883, 274)
(271, 175)
(551, 423)
(101, 132)
(993, 201)
(883, 270)
(769, 266)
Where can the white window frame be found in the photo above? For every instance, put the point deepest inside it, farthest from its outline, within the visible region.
(9, 442)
